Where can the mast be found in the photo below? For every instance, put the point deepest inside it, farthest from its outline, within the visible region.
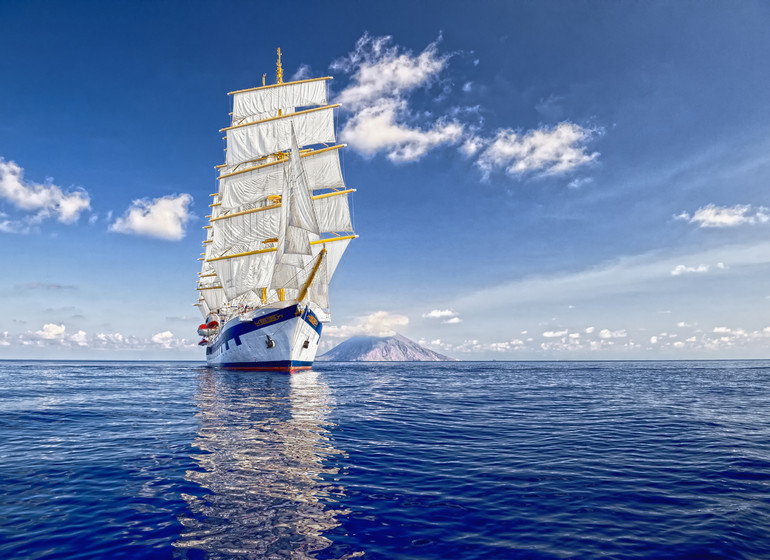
(280, 219)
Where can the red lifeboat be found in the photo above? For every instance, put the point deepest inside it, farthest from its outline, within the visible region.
(203, 342)
(212, 325)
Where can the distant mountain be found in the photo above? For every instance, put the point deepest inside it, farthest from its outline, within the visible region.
(381, 349)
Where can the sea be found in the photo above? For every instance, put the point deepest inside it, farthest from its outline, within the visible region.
(459, 460)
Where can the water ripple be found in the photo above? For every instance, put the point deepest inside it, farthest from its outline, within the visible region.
(463, 460)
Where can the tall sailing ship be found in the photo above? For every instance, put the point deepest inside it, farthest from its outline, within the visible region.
(279, 225)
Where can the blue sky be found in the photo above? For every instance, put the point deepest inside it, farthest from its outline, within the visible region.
(536, 180)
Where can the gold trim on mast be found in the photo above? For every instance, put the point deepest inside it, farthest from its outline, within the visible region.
(314, 109)
(306, 285)
(279, 69)
(277, 205)
(282, 160)
(270, 250)
(283, 84)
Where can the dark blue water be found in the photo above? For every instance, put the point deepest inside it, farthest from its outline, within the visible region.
(468, 460)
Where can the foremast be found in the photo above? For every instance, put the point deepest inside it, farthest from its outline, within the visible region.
(280, 219)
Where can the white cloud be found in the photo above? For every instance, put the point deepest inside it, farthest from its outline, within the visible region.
(168, 341)
(555, 334)
(50, 335)
(682, 269)
(46, 200)
(382, 77)
(380, 70)
(302, 73)
(450, 316)
(590, 330)
(79, 338)
(53, 335)
(606, 333)
(579, 182)
(550, 151)
(51, 331)
(379, 323)
(377, 128)
(164, 217)
(472, 145)
(439, 314)
(712, 216)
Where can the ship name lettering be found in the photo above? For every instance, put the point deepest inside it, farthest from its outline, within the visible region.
(266, 320)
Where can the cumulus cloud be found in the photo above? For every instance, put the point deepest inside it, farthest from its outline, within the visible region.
(50, 334)
(606, 333)
(380, 70)
(472, 145)
(45, 200)
(51, 331)
(57, 335)
(712, 216)
(163, 217)
(379, 323)
(168, 341)
(547, 150)
(382, 76)
(452, 321)
(377, 128)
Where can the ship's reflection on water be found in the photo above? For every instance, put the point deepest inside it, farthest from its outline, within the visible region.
(264, 467)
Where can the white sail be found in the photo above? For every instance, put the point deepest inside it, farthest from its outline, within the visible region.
(319, 290)
(333, 213)
(298, 225)
(277, 207)
(266, 101)
(251, 228)
(255, 140)
(241, 275)
(248, 186)
(203, 308)
(214, 297)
